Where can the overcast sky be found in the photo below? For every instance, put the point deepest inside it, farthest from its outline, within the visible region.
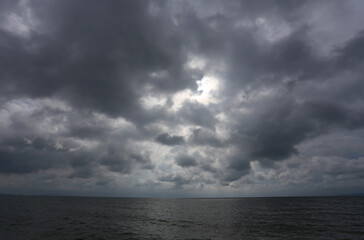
(181, 98)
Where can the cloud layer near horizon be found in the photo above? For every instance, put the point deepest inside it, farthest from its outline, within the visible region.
(181, 98)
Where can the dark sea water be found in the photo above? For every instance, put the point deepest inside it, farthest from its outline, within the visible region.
(122, 218)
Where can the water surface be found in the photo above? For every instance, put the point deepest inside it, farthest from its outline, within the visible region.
(128, 218)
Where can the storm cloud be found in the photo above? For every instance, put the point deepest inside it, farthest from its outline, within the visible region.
(195, 98)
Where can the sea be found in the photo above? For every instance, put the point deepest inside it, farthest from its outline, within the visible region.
(30, 217)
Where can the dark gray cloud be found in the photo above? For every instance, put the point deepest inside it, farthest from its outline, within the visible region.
(351, 54)
(118, 161)
(202, 137)
(197, 114)
(186, 161)
(246, 94)
(170, 140)
(23, 162)
(275, 132)
(93, 61)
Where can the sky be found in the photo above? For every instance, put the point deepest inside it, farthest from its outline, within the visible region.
(181, 98)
